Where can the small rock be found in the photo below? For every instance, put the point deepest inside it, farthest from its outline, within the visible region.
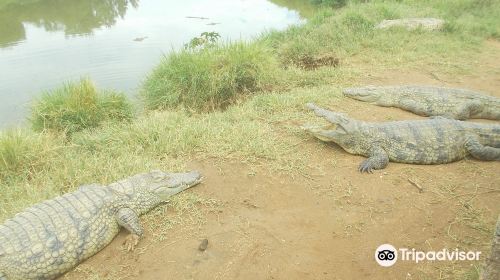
(203, 245)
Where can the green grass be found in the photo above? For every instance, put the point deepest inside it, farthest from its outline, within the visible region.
(77, 106)
(40, 166)
(23, 152)
(209, 78)
(349, 34)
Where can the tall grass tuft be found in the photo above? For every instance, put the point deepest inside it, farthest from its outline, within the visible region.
(77, 106)
(209, 78)
(23, 152)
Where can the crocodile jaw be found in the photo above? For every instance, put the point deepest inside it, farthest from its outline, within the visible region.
(168, 184)
(367, 94)
(327, 133)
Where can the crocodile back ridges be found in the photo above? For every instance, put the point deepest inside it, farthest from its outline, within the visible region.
(54, 235)
(441, 92)
(430, 141)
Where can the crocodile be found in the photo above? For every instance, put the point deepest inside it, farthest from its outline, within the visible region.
(50, 238)
(451, 103)
(492, 268)
(430, 141)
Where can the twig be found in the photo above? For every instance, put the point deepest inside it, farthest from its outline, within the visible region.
(306, 176)
(420, 189)
(485, 192)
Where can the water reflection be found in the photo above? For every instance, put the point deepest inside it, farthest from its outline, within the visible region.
(127, 40)
(73, 17)
(304, 7)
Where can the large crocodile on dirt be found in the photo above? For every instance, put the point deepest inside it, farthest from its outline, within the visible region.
(451, 103)
(432, 141)
(492, 268)
(51, 237)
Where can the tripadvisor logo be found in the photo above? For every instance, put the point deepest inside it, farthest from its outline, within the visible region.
(387, 255)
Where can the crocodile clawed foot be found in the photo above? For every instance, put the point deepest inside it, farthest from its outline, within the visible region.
(365, 166)
(131, 241)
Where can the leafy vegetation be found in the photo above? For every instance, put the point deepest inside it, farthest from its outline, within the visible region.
(205, 40)
(77, 106)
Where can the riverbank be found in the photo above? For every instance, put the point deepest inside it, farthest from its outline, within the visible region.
(256, 132)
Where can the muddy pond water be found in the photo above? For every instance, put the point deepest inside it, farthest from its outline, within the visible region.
(44, 43)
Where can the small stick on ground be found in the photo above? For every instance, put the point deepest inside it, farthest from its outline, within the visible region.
(420, 189)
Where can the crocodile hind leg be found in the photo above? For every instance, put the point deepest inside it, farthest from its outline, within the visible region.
(128, 219)
(466, 111)
(480, 151)
(378, 160)
(2, 276)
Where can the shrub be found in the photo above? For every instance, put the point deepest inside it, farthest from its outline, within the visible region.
(209, 78)
(77, 106)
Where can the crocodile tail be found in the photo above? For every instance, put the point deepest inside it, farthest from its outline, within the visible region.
(492, 268)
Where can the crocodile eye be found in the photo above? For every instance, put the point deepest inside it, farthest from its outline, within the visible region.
(158, 177)
(340, 129)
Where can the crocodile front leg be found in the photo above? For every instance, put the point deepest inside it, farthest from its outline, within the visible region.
(129, 219)
(480, 151)
(415, 107)
(378, 160)
(2, 276)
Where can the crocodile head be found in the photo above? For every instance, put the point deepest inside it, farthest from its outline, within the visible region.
(367, 94)
(327, 133)
(167, 184)
(342, 130)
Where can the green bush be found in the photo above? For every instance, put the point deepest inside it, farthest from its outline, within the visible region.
(209, 78)
(77, 106)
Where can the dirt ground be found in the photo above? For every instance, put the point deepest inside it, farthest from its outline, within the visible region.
(327, 223)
